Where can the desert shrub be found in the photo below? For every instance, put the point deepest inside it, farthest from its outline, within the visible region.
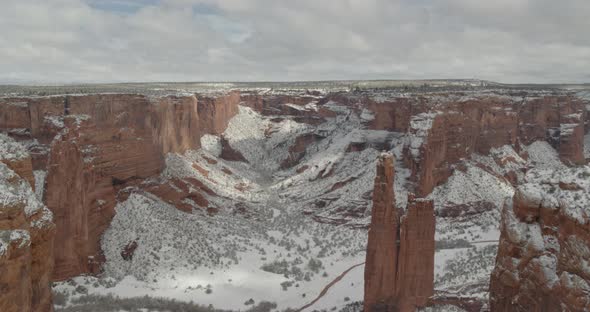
(109, 303)
(452, 244)
(249, 302)
(277, 267)
(314, 265)
(82, 290)
(263, 306)
(356, 306)
(285, 285)
(60, 298)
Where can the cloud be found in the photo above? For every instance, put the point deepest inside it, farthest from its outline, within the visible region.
(228, 40)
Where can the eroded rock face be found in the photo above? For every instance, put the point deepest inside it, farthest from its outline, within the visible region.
(216, 111)
(416, 255)
(382, 250)
(69, 184)
(399, 275)
(297, 150)
(98, 144)
(17, 158)
(229, 153)
(452, 130)
(543, 253)
(26, 246)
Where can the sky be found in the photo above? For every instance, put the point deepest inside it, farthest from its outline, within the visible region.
(83, 41)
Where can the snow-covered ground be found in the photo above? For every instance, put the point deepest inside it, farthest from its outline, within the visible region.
(283, 234)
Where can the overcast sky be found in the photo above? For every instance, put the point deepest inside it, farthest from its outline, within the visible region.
(62, 41)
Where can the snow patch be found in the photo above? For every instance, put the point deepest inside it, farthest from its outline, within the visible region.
(11, 150)
(211, 144)
(40, 176)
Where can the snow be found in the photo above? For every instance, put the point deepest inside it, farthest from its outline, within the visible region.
(548, 264)
(45, 220)
(15, 191)
(567, 128)
(466, 187)
(40, 176)
(349, 289)
(78, 118)
(573, 281)
(9, 237)
(19, 104)
(420, 126)
(57, 121)
(211, 144)
(367, 115)
(296, 107)
(543, 182)
(541, 153)
(10, 150)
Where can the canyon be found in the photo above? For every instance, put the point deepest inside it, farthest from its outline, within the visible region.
(124, 183)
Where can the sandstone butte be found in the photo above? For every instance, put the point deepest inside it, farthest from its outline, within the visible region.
(399, 272)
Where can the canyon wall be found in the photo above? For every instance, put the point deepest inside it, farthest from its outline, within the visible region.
(399, 274)
(444, 128)
(454, 129)
(26, 236)
(99, 144)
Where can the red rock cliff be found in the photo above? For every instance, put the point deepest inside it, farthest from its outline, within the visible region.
(96, 144)
(26, 246)
(454, 128)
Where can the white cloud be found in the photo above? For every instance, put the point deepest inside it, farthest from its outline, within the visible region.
(197, 40)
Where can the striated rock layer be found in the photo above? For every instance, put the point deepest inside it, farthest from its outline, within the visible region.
(544, 251)
(399, 274)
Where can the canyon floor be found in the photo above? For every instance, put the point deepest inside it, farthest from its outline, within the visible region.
(288, 206)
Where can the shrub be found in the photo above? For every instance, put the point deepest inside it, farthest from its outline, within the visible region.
(60, 298)
(263, 306)
(109, 303)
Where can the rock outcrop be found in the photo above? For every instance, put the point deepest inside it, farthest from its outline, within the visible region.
(26, 246)
(399, 274)
(454, 129)
(97, 145)
(382, 249)
(416, 255)
(16, 157)
(67, 171)
(298, 149)
(543, 256)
